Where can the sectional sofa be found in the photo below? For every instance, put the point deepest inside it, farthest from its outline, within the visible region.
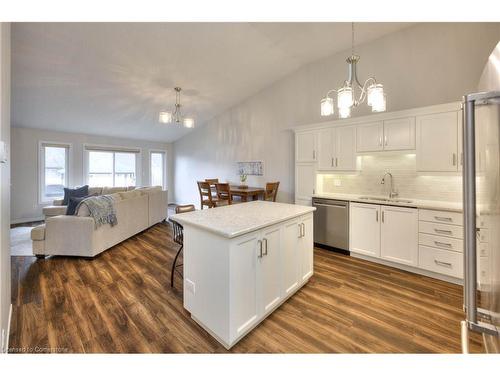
(77, 235)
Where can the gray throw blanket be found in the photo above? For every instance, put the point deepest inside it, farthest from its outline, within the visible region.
(102, 209)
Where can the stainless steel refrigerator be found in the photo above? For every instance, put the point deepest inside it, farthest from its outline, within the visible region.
(481, 198)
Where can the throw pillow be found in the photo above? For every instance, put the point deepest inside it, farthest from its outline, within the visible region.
(77, 193)
(74, 202)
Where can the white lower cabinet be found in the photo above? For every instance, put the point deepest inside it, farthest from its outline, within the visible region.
(267, 267)
(364, 229)
(399, 235)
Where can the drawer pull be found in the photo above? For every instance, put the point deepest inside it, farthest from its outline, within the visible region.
(443, 264)
(442, 218)
(443, 244)
(442, 231)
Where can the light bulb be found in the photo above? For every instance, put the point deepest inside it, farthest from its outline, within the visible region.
(188, 123)
(345, 112)
(379, 105)
(165, 117)
(327, 108)
(344, 97)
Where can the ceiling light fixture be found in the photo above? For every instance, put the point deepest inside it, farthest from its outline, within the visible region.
(167, 117)
(371, 91)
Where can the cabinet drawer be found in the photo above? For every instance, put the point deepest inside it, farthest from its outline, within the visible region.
(444, 217)
(441, 229)
(441, 261)
(483, 249)
(440, 242)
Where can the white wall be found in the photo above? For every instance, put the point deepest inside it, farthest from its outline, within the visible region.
(25, 143)
(4, 182)
(422, 65)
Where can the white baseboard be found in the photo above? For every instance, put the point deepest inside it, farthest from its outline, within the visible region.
(27, 220)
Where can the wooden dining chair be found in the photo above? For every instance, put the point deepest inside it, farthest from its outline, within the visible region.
(212, 182)
(206, 197)
(271, 191)
(223, 194)
(178, 237)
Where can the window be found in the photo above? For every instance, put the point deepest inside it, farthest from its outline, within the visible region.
(111, 168)
(157, 169)
(54, 161)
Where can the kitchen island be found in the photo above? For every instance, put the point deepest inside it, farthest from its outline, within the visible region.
(243, 261)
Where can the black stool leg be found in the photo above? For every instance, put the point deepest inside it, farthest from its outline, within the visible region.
(173, 266)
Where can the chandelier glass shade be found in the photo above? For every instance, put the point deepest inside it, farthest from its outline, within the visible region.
(175, 116)
(353, 93)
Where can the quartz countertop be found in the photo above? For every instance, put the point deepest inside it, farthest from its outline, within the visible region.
(238, 219)
(417, 203)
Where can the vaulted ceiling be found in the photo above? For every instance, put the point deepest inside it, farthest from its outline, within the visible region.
(113, 78)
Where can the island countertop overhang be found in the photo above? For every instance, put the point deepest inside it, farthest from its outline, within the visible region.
(238, 219)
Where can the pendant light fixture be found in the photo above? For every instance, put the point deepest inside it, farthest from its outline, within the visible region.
(347, 99)
(167, 117)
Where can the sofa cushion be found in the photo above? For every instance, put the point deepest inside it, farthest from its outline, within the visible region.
(131, 194)
(38, 233)
(54, 210)
(78, 192)
(111, 190)
(149, 189)
(95, 190)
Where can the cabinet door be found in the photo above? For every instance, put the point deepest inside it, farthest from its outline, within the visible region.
(345, 148)
(270, 269)
(306, 248)
(243, 300)
(305, 147)
(437, 142)
(399, 134)
(325, 149)
(399, 235)
(290, 256)
(364, 229)
(305, 181)
(369, 137)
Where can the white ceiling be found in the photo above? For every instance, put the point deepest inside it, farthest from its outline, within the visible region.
(113, 78)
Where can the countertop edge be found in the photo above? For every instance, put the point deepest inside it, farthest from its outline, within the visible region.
(307, 210)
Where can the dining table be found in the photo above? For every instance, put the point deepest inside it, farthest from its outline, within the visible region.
(246, 193)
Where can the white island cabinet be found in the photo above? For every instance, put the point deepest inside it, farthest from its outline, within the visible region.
(243, 261)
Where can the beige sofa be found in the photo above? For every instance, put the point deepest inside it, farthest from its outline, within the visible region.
(136, 210)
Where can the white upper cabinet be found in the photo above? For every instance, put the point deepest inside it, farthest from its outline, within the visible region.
(399, 235)
(337, 149)
(399, 134)
(369, 137)
(305, 182)
(305, 147)
(437, 142)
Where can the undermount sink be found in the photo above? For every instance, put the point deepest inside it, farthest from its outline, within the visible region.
(392, 200)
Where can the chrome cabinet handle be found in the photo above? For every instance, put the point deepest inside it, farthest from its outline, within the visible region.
(443, 244)
(385, 140)
(336, 162)
(260, 249)
(443, 264)
(265, 242)
(376, 216)
(314, 154)
(303, 230)
(442, 218)
(383, 216)
(332, 162)
(300, 230)
(443, 231)
(380, 141)
(454, 159)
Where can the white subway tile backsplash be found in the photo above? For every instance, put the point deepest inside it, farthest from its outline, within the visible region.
(407, 181)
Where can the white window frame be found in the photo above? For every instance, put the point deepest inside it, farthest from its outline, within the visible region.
(41, 168)
(164, 167)
(87, 147)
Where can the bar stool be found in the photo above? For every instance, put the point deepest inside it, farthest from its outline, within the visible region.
(179, 237)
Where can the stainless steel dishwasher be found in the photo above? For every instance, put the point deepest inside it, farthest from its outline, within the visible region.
(331, 223)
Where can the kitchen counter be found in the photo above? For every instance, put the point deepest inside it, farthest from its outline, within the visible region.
(416, 203)
(238, 219)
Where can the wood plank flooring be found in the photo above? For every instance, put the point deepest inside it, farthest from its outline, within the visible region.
(121, 301)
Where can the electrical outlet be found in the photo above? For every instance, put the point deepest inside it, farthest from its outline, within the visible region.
(337, 182)
(190, 286)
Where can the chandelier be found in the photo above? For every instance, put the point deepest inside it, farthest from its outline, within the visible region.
(347, 98)
(167, 117)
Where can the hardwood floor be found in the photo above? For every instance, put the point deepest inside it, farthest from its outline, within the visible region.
(121, 301)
